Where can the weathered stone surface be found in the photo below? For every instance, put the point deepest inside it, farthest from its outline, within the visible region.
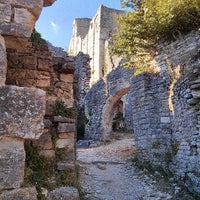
(12, 162)
(196, 93)
(5, 13)
(22, 25)
(67, 142)
(100, 100)
(68, 68)
(65, 166)
(63, 119)
(66, 135)
(44, 142)
(48, 2)
(64, 193)
(3, 61)
(43, 83)
(20, 194)
(66, 127)
(47, 123)
(48, 153)
(34, 7)
(68, 78)
(165, 119)
(21, 112)
(43, 65)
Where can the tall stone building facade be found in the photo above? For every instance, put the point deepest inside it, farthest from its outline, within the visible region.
(91, 36)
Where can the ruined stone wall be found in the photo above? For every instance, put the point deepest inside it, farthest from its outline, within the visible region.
(22, 109)
(164, 109)
(171, 138)
(31, 81)
(151, 117)
(82, 76)
(91, 36)
(100, 100)
(36, 67)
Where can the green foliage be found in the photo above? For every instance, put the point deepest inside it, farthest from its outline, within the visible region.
(66, 177)
(61, 153)
(36, 38)
(61, 109)
(41, 172)
(38, 170)
(149, 22)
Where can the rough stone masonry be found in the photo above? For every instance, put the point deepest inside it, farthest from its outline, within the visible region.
(28, 74)
(164, 109)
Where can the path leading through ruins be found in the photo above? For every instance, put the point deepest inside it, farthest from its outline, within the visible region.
(107, 173)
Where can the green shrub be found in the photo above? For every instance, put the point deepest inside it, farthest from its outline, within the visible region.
(61, 109)
(42, 173)
(36, 38)
(38, 170)
(151, 21)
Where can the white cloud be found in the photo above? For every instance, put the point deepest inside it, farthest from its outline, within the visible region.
(54, 26)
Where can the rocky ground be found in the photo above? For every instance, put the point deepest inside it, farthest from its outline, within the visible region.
(107, 172)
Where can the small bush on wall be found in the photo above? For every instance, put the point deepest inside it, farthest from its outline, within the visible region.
(61, 109)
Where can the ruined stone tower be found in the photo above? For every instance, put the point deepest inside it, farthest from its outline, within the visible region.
(91, 36)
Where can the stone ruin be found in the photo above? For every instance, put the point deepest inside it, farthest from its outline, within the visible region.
(91, 36)
(33, 78)
(161, 109)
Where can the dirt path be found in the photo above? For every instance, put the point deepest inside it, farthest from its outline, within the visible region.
(107, 173)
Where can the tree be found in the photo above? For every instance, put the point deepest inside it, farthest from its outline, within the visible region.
(151, 21)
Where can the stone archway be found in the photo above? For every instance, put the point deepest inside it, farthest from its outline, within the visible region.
(107, 113)
(100, 100)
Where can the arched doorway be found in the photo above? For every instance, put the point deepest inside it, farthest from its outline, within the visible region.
(109, 111)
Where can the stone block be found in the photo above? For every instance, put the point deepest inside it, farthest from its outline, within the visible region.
(5, 13)
(68, 78)
(67, 135)
(12, 162)
(29, 62)
(165, 120)
(21, 112)
(63, 119)
(47, 123)
(65, 166)
(21, 194)
(196, 93)
(68, 142)
(68, 68)
(3, 61)
(44, 65)
(48, 2)
(43, 83)
(47, 153)
(24, 18)
(66, 127)
(34, 7)
(44, 142)
(64, 193)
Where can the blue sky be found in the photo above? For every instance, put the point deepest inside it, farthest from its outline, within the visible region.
(55, 22)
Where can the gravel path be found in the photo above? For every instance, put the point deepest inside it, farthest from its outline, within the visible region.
(106, 173)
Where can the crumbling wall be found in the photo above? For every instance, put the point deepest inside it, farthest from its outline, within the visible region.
(82, 76)
(100, 100)
(164, 109)
(31, 80)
